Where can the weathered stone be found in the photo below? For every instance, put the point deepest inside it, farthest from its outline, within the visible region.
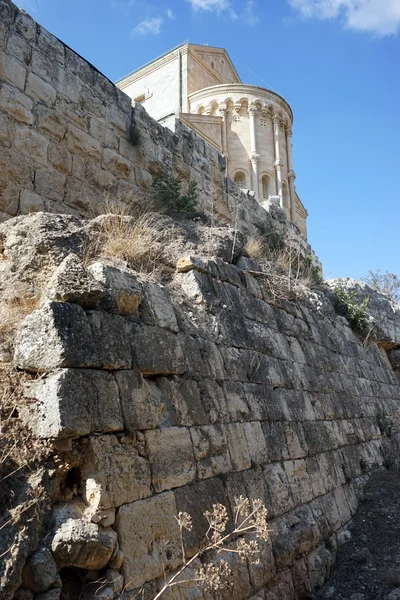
(40, 90)
(182, 401)
(157, 308)
(157, 351)
(31, 143)
(56, 335)
(111, 337)
(142, 546)
(23, 594)
(118, 561)
(124, 289)
(295, 534)
(30, 202)
(116, 163)
(71, 282)
(188, 263)
(113, 474)
(50, 183)
(171, 457)
(77, 543)
(54, 594)
(40, 571)
(51, 122)
(105, 517)
(74, 402)
(210, 450)
(141, 402)
(115, 580)
(238, 447)
(280, 498)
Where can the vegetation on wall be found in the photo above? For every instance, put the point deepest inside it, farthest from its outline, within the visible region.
(168, 197)
(386, 283)
(347, 305)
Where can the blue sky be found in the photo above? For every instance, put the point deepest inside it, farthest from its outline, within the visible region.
(337, 62)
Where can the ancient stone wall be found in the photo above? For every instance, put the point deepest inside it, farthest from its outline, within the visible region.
(168, 398)
(70, 138)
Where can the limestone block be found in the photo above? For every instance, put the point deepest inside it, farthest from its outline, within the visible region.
(141, 401)
(171, 457)
(51, 122)
(213, 401)
(124, 288)
(158, 309)
(317, 437)
(236, 400)
(190, 263)
(111, 339)
(294, 534)
(202, 357)
(40, 90)
(296, 443)
(30, 202)
(78, 66)
(113, 473)
(50, 183)
(105, 518)
(92, 103)
(3, 36)
(118, 118)
(257, 398)
(262, 573)
(25, 25)
(16, 104)
(279, 495)
(274, 433)
(211, 451)
(197, 287)
(6, 129)
(299, 482)
(326, 514)
(12, 71)
(196, 499)
(342, 504)
(157, 351)
(83, 545)
(74, 402)
(114, 162)
(31, 143)
(71, 282)
(256, 442)
(60, 158)
(66, 83)
(319, 566)
(182, 400)
(50, 46)
(80, 142)
(56, 335)
(238, 448)
(142, 528)
(40, 571)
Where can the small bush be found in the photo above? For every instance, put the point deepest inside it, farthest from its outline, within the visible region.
(169, 199)
(386, 283)
(347, 305)
(135, 136)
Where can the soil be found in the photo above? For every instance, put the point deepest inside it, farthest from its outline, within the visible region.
(368, 567)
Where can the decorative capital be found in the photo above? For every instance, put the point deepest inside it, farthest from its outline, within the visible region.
(278, 164)
(276, 119)
(252, 110)
(289, 132)
(255, 158)
(291, 175)
(222, 111)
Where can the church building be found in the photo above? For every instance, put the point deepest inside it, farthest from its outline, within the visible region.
(250, 125)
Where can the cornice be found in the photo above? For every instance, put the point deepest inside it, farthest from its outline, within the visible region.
(154, 66)
(242, 88)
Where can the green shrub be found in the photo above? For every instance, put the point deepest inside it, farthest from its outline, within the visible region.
(169, 199)
(348, 306)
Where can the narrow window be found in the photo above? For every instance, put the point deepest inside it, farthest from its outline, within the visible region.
(240, 179)
(140, 98)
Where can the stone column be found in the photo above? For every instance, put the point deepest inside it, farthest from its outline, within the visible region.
(278, 164)
(254, 157)
(224, 125)
(291, 175)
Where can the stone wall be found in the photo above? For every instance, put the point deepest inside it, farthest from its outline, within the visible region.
(70, 138)
(171, 397)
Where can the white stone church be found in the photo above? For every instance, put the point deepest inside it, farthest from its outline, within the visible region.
(250, 125)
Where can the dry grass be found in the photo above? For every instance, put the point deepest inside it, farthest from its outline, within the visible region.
(142, 240)
(255, 248)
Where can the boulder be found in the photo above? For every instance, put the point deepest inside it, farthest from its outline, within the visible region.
(40, 571)
(83, 545)
(71, 282)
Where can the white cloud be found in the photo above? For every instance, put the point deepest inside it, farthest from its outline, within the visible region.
(210, 5)
(381, 17)
(152, 26)
(249, 14)
(170, 14)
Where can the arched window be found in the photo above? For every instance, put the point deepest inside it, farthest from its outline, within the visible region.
(240, 179)
(267, 187)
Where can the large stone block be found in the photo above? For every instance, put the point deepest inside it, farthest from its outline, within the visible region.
(31, 143)
(211, 450)
(71, 282)
(113, 473)
(299, 482)
(182, 401)
(117, 164)
(111, 337)
(40, 90)
(157, 351)
(51, 122)
(50, 183)
(30, 202)
(72, 403)
(158, 309)
(124, 289)
(238, 447)
(80, 142)
(56, 335)
(12, 71)
(141, 401)
(279, 496)
(171, 457)
(16, 104)
(143, 529)
(40, 571)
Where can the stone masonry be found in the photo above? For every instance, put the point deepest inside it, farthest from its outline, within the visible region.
(204, 390)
